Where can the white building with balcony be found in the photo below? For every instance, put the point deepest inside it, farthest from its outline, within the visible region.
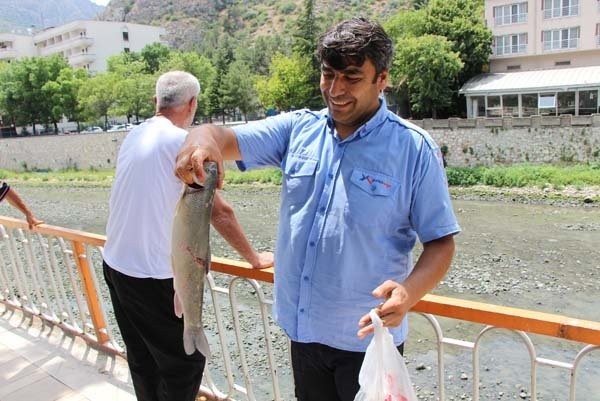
(545, 59)
(84, 44)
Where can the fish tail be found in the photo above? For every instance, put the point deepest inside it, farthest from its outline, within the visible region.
(195, 339)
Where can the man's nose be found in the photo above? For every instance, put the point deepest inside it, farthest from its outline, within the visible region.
(338, 87)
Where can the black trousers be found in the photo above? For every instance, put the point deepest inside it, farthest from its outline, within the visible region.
(153, 335)
(323, 373)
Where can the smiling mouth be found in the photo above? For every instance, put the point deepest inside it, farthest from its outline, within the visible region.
(338, 103)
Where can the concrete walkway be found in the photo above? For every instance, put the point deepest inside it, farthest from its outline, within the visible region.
(41, 363)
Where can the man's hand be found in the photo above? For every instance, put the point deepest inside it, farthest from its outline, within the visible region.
(262, 260)
(197, 149)
(33, 221)
(392, 310)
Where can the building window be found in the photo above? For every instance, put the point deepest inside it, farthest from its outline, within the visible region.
(126, 49)
(557, 39)
(513, 67)
(566, 103)
(511, 14)
(529, 104)
(510, 105)
(547, 104)
(598, 32)
(560, 8)
(494, 106)
(125, 36)
(510, 44)
(588, 102)
(561, 63)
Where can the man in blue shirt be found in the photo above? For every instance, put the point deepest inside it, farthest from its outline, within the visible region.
(359, 185)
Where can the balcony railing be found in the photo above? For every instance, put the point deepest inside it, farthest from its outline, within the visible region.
(79, 42)
(52, 273)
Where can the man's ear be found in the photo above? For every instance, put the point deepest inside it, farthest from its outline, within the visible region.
(193, 102)
(383, 77)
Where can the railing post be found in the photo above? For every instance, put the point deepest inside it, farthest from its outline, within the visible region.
(91, 296)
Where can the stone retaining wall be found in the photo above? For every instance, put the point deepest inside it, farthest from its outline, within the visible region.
(469, 142)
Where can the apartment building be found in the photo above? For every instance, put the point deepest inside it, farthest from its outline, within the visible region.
(84, 44)
(545, 59)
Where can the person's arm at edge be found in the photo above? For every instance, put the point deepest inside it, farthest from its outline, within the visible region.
(430, 269)
(15, 200)
(225, 222)
(206, 143)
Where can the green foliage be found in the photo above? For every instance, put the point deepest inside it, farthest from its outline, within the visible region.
(22, 97)
(287, 8)
(462, 23)
(430, 69)
(288, 85)
(200, 67)
(239, 93)
(154, 55)
(99, 95)
(525, 175)
(264, 176)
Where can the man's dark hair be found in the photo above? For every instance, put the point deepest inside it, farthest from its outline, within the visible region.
(352, 41)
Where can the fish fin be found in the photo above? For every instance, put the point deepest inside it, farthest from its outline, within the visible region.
(195, 339)
(178, 306)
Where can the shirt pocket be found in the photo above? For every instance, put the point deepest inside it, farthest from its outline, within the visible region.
(372, 198)
(299, 178)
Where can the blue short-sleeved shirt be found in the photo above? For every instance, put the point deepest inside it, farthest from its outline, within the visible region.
(350, 214)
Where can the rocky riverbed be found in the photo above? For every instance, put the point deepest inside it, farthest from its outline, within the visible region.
(526, 248)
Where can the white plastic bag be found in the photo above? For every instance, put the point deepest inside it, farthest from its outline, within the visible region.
(383, 374)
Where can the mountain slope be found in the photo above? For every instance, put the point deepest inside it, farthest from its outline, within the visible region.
(19, 15)
(187, 21)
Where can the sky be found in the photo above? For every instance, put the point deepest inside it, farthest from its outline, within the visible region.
(101, 2)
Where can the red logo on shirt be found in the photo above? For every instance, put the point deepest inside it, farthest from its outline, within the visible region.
(372, 180)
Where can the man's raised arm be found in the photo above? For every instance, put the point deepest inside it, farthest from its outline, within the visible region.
(206, 143)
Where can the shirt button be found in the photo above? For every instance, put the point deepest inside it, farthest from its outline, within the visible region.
(305, 278)
(301, 310)
(330, 176)
(322, 209)
(311, 243)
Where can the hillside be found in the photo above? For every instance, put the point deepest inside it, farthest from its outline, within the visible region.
(189, 21)
(18, 16)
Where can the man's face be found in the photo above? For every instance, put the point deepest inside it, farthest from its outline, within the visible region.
(351, 94)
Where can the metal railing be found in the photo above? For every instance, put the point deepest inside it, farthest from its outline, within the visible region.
(52, 273)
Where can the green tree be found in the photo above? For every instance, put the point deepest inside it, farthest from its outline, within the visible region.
(99, 95)
(430, 68)
(462, 23)
(305, 44)
(21, 86)
(63, 94)
(238, 92)
(134, 97)
(288, 85)
(201, 68)
(154, 55)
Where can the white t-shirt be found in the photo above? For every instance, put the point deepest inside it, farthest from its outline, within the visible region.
(143, 199)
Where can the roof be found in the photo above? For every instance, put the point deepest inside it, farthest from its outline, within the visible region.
(533, 81)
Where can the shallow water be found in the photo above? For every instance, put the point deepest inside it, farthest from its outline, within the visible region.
(532, 256)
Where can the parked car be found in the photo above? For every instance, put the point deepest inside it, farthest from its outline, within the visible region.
(120, 127)
(92, 129)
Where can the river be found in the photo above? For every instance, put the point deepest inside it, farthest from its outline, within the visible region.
(535, 256)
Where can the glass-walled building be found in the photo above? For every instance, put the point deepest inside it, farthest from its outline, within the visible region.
(544, 92)
(544, 60)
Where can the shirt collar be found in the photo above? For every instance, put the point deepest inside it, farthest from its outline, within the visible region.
(367, 127)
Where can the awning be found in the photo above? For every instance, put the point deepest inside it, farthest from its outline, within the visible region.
(533, 81)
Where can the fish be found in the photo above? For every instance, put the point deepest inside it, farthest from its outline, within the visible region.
(190, 257)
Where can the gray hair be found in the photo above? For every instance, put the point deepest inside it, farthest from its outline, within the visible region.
(175, 88)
